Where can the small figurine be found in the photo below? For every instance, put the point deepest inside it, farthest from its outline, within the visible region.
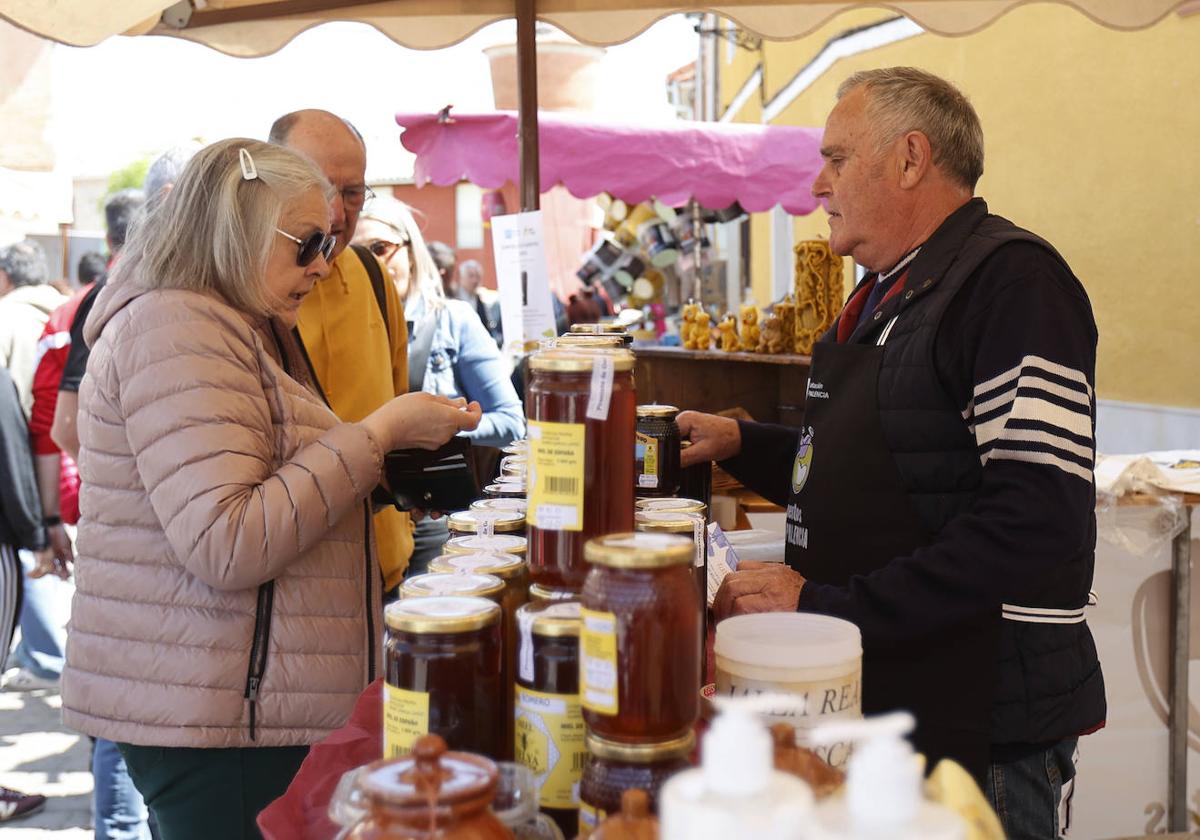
(729, 336)
(771, 338)
(687, 324)
(702, 331)
(786, 310)
(750, 330)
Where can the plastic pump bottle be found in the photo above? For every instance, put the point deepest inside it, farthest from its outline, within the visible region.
(736, 792)
(883, 799)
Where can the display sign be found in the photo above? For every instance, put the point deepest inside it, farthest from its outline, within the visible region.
(522, 278)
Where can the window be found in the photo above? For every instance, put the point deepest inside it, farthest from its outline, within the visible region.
(468, 216)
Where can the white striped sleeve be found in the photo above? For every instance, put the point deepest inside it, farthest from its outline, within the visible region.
(1037, 412)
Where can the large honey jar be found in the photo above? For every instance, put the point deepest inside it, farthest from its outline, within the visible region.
(581, 409)
(640, 638)
(549, 722)
(442, 674)
(495, 544)
(465, 523)
(613, 768)
(656, 451)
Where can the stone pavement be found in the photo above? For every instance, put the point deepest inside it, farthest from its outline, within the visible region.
(39, 755)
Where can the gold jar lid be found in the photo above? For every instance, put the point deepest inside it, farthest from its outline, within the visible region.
(503, 503)
(495, 544)
(571, 340)
(537, 592)
(559, 618)
(579, 359)
(470, 521)
(517, 447)
(432, 584)
(667, 412)
(505, 490)
(441, 614)
(639, 550)
(597, 329)
(503, 566)
(646, 753)
(668, 521)
(680, 505)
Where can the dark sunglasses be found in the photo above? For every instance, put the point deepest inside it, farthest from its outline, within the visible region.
(317, 242)
(384, 249)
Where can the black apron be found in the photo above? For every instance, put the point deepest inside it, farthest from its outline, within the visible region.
(850, 515)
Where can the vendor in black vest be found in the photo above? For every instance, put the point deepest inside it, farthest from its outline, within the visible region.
(940, 492)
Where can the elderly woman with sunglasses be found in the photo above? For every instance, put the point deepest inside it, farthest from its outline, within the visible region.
(227, 605)
(450, 352)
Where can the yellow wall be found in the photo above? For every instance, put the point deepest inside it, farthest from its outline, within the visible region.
(1091, 142)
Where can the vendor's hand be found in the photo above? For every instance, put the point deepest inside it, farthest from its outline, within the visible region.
(756, 588)
(421, 421)
(56, 559)
(713, 438)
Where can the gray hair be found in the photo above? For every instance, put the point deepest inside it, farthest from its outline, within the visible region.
(215, 231)
(903, 99)
(425, 280)
(24, 263)
(165, 171)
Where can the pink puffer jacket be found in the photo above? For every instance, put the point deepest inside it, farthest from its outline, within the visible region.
(226, 592)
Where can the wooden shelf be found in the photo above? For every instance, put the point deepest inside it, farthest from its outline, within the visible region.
(656, 352)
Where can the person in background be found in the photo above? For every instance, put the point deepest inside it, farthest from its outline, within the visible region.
(445, 260)
(20, 529)
(26, 301)
(226, 612)
(449, 351)
(92, 266)
(352, 325)
(483, 300)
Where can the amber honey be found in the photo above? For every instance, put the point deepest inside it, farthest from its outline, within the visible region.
(613, 768)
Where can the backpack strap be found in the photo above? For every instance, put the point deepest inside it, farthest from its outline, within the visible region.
(375, 272)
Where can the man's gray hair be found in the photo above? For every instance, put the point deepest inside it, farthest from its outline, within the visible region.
(24, 263)
(903, 99)
(165, 171)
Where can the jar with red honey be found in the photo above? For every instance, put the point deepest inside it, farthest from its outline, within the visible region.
(640, 638)
(442, 675)
(581, 408)
(613, 768)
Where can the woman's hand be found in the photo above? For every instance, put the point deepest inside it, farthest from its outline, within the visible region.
(421, 421)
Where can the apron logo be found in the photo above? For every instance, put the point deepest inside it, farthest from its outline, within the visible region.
(803, 464)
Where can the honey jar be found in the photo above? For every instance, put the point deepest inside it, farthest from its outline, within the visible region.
(464, 523)
(613, 768)
(672, 504)
(442, 674)
(549, 721)
(656, 451)
(593, 340)
(640, 638)
(505, 490)
(538, 593)
(581, 409)
(495, 544)
(431, 585)
(504, 505)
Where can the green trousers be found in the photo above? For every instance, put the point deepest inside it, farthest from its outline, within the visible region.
(199, 794)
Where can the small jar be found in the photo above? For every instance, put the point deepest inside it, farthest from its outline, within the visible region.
(495, 544)
(673, 504)
(465, 523)
(505, 490)
(581, 406)
(608, 330)
(613, 768)
(656, 452)
(640, 660)
(549, 721)
(503, 505)
(431, 585)
(539, 593)
(682, 523)
(442, 674)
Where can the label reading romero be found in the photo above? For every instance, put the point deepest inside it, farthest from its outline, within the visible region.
(556, 459)
(550, 742)
(405, 719)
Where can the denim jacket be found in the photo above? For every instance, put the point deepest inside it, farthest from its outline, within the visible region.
(465, 362)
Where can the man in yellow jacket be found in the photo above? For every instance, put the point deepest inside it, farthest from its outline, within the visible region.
(353, 328)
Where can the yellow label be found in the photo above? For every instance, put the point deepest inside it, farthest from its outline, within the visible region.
(556, 459)
(405, 719)
(589, 818)
(598, 661)
(646, 451)
(550, 742)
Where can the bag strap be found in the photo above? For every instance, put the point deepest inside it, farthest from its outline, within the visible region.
(375, 272)
(418, 350)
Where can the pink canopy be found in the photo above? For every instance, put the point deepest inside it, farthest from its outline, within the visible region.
(757, 166)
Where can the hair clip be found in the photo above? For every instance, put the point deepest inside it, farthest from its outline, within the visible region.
(249, 172)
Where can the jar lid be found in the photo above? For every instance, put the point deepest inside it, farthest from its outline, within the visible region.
(507, 504)
(556, 618)
(668, 412)
(511, 479)
(432, 583)
(441, 614)
(578, 359)
(430, 776)
(517, 447)
(468, 521)
(788, 640)
(668, 521)
(537, 592)
(503, 566)
(644, 753)
(639, 550)
(505, 490)
(591, 340)
(597, 329)
(495, 544)
(684, 505)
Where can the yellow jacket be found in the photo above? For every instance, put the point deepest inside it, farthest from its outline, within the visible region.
(361, 365)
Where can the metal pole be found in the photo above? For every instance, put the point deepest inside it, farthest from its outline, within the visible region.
(1177, 722)
(527, 113)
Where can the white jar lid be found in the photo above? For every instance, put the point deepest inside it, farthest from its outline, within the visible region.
(788, 640)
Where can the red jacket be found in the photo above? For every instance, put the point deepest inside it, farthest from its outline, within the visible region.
(52, 350)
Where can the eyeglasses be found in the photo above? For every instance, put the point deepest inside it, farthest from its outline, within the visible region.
(355, 197)
(317, 242)
(384, 249)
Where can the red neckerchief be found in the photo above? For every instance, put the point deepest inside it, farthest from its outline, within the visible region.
(853, 311)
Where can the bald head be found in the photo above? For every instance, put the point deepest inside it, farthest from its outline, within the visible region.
(338, 150)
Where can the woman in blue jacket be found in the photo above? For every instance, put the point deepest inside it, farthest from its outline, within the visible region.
(450, 352)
